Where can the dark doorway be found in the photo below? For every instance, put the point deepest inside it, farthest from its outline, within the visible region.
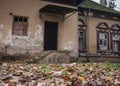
(50, 35)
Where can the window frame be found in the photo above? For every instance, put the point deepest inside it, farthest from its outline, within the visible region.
(103, 41)
(82, 28)
(102, 27)
(115, 30)
(113, 41)
(82, 47)
(20, 26)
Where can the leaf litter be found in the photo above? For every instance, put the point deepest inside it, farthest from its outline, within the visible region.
(74, 74)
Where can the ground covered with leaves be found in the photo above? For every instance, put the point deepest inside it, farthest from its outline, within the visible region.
(74, 74)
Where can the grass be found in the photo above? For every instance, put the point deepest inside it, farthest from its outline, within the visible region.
(110, 65)
(46, 68)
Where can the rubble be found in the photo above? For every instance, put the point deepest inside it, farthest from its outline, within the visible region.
(74, 74)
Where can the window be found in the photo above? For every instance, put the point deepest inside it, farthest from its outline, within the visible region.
(102, 36)
(108, 38)
(82, 36)
(103, 41)
(115, 38)
(82, 42)
(115, 46)
(116, 42)
(20, 25)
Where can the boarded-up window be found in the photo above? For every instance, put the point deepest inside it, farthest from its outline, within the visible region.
(20, 25)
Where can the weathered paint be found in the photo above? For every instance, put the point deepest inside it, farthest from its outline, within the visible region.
(93, 31)
(67, 29)
(32, 41)
(67, 45)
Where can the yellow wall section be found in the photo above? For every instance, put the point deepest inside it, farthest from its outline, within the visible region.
(67, 35)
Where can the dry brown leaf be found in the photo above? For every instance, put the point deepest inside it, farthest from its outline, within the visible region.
(109, 78)
(81, 78)
(14, 80)
(67, 78)
(62, 84)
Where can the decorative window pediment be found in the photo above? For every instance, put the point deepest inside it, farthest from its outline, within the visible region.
(81, 22)
(103, 25)
(115, 27)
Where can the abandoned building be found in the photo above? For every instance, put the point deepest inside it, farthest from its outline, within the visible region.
(79, 26)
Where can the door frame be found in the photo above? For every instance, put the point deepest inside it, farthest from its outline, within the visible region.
(57, 34)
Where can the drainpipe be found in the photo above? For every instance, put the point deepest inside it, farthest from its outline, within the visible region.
(109, 41)
(86, 13)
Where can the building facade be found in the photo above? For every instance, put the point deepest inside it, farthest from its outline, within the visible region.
(99, 29)
(63, 25)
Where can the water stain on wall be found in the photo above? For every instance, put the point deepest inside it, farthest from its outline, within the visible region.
(67, 45)
(31, 42)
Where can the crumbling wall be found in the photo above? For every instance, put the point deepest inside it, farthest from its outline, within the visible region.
(31, 42)
(67, 45)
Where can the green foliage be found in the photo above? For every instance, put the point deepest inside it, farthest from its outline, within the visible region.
(90, 63)
(93, 5)
(45, 68)
(110, 65)
(58, 67)
(81, 73)
(103, 2)
(46, 84)
(112, 4)
(65, 72)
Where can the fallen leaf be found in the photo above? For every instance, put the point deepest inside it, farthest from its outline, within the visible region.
(62, 84)
(109, 78)
(67, 78)
(81, 78)
(14, 80)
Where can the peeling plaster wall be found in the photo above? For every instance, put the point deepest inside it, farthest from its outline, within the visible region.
(67, 29)
(31, 42)
(69, 37)
(29, 8)
(67, 45)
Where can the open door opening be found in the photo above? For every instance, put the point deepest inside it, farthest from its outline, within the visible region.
(50, 35)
